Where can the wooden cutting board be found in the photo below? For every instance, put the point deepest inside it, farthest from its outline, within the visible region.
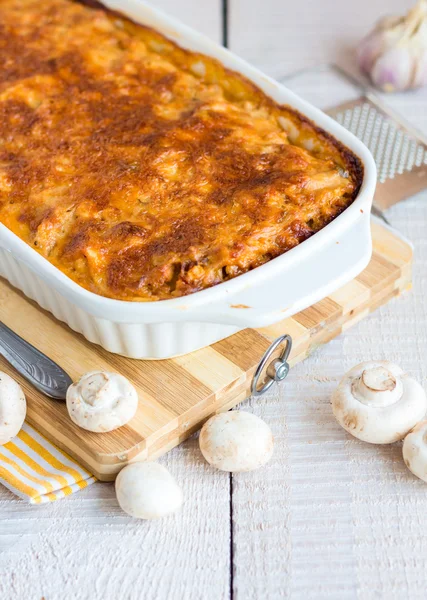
(178, 395)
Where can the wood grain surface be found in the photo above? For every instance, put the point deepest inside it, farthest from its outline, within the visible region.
(328, 518)
(177, 395)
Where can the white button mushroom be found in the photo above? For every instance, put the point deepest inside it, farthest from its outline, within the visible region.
(146, 490)
(415, 450)
(101, 401)
(378, 403)
(13, 408)
(236, 441)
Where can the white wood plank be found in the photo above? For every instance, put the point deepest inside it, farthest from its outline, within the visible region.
(280, 37)
(85, 547)
(203, 15)
(330, 517)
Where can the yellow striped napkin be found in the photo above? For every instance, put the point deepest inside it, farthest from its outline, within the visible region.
(36, 470)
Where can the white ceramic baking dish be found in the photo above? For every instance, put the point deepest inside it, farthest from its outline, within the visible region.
(270, 293)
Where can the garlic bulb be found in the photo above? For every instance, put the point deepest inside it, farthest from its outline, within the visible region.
(394, 54)
(378, 403)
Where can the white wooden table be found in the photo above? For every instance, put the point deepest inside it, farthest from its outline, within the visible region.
(329, 517)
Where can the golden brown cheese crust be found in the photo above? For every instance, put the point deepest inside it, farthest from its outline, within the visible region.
(144, 171)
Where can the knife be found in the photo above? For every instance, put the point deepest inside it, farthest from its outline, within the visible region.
(44, 374)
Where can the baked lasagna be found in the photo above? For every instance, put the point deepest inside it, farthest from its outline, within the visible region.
(144, 171)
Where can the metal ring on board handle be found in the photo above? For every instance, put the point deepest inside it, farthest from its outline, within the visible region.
(277, 370)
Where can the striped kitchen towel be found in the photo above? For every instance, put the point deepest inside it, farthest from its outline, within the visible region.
(36, 470)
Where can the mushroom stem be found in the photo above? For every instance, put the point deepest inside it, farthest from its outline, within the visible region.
(378, 403)
(96, 389)
(377, 387)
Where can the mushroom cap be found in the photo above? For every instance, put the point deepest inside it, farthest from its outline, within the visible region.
(378, 403)
(414, 450)
(101, 401)
(13, 408)
(146, 490)
(236, 441)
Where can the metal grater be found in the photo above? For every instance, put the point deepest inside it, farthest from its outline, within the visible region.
(399, 151)
(401, 158)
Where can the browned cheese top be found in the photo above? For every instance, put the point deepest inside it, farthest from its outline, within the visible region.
(144, 171)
